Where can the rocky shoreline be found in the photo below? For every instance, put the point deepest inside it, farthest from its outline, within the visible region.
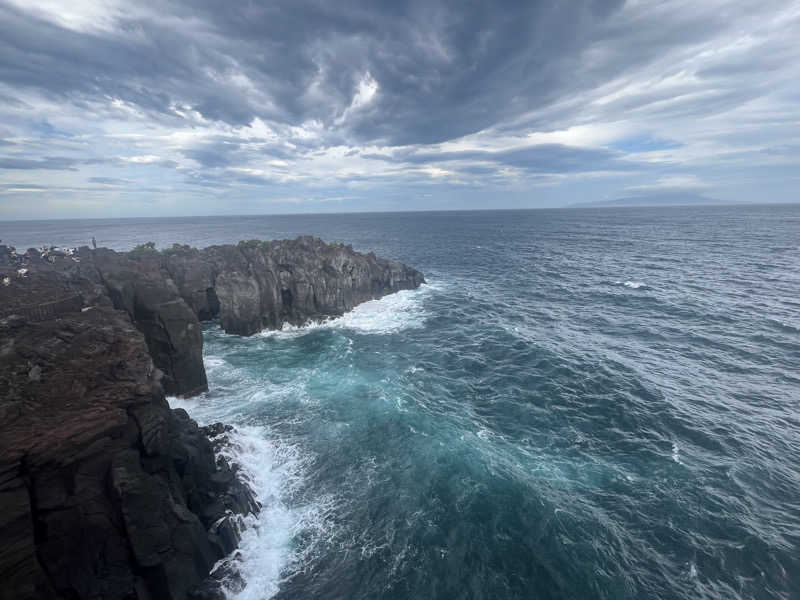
(106, 492)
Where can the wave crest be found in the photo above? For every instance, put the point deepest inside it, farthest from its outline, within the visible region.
(395, 312)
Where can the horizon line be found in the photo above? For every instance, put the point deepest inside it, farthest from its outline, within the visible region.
(574, 206)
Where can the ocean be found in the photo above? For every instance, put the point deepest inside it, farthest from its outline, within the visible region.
(586, 403)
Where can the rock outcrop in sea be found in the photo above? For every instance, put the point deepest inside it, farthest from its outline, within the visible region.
(249, 287)
(106, 492)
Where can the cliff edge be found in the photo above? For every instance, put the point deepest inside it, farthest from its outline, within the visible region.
(249, 287)
(106, 492)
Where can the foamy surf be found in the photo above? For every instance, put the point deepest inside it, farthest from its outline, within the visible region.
(635, 285)
(266, 551)
(395, 312)
(274, 470)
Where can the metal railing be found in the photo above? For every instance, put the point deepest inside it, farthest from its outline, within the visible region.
(46, 310)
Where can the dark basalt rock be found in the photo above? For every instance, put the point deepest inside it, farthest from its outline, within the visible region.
(262, 285)
(249, 287)
(105, 492)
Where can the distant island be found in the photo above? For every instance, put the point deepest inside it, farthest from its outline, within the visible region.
(665, 199)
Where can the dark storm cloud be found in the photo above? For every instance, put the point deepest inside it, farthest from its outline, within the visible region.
(224, 151)
(299, 95)
(213, 155)
(443, 69)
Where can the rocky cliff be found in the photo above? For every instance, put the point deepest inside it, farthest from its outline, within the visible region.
(249, 287)
(262, 285)
(105, 492)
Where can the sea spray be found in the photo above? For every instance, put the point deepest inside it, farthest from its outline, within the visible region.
(274, 467)
(532, 428)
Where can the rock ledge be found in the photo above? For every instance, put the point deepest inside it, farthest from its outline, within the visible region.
(106, 492)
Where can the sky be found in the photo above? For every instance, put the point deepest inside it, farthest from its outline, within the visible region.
(115, 109)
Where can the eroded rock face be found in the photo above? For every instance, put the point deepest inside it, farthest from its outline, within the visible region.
(262, 285)
(139, 285)
(250, 286)
(105, 492)
(134, 283)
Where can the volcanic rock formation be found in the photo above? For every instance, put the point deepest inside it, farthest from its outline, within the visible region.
(262, 285)
(105, 492)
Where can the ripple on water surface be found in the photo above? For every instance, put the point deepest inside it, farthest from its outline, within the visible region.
(593, 404)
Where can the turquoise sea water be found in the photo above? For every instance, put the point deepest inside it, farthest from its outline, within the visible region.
(599, 403)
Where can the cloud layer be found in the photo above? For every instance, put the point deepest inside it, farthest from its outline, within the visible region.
(211, 108)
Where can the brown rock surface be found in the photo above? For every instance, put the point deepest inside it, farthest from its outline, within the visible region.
(249, 287)
(104, 491)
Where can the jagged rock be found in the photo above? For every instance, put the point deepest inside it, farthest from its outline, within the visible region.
(195, 278)
(250, 286)
(138, 285)
(104, 491)
(262, 285)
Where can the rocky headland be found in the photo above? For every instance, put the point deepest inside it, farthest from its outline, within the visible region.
(106, 492)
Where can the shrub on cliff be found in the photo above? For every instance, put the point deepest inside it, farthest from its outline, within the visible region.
(142, 249)
(177, 249)
(253, 244)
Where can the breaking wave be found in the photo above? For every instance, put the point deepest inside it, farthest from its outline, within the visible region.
(395, 312)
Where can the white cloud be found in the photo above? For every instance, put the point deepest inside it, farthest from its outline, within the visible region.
(365, 93)
(714, 86)
(672, 182)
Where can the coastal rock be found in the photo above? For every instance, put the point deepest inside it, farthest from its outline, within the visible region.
(262, 285)
(195, 279)
(132, 282)
(249, 287)
(105, 492)
(137, 284)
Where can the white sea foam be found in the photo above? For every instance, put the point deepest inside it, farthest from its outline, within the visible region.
(274, 470)
(215, 362)
(631, 284)
(275, 467)
(186, 404)
(395, 312)
(676, 453)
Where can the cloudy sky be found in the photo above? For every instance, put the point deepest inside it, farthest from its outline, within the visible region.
(246, 106)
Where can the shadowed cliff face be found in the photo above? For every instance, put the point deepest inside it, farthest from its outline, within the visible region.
(262, 285)
(140, 286)
(104, 491)
(249, 287)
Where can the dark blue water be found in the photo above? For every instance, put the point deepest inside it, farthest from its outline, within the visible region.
(599, 403)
